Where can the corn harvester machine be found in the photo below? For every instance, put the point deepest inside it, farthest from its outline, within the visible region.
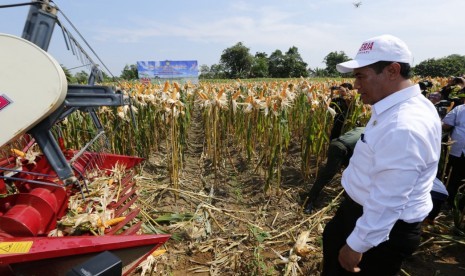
(35, 191)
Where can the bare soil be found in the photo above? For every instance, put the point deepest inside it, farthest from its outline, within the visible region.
(225, 224)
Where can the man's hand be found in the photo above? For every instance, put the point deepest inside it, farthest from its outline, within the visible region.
(349, 259)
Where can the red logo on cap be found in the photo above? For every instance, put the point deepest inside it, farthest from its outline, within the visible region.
(4, 101)
(366, 47)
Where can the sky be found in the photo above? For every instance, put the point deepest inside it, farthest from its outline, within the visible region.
(124, 32)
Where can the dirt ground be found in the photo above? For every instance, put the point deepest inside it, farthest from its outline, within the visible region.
(222, 223)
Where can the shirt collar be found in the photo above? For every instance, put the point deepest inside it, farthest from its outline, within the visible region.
(396, 97)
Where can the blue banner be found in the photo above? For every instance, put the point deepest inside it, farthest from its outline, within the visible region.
(169, 69)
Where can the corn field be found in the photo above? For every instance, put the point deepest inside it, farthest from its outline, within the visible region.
(261, 119)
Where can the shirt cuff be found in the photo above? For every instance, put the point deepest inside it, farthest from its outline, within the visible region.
(357, 244)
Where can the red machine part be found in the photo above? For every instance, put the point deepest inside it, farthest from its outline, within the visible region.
(28, 216)
(105, 161)
(35, 210)
(32, 214)
(55, 256)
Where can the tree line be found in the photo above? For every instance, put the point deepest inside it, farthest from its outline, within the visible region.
(237, 62)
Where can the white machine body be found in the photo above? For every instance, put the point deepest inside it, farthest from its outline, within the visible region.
(32, 86)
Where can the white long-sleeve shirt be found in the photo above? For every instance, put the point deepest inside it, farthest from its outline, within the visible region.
(456, 118)
(394, 164)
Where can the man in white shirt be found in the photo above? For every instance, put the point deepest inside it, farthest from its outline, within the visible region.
(455, 121)
(390, 175)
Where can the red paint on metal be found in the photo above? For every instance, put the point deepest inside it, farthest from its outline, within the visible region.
(33, 212)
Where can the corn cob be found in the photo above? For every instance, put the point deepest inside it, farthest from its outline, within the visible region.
(17, 152)
(110, 222)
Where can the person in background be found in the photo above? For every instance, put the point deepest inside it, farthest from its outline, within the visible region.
(454, 122)
(390, 175)
(341, 105)
(449, 87)
(339, 152)
(434, 97)
(424, 86)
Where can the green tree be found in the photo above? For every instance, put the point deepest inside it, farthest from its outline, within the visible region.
(81, 77)
(218, 71)
(69, 76)
(452, 65)
(331, 60)
(259, 66)
(294, 64)
(130, 72)
(237, 61)
(205, 72)
(319, 72)
(288, 65)
(276, 65)
(107, 78)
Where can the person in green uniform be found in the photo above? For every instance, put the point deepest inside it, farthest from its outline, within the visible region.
(339, 152)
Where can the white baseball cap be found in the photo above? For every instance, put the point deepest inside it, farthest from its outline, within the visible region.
(379, 48)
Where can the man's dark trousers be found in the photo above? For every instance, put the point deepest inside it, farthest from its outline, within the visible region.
(384, 259)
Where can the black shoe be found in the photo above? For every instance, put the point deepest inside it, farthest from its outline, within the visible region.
(308, 208)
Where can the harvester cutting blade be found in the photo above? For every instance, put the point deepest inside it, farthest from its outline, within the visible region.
(56, 256)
